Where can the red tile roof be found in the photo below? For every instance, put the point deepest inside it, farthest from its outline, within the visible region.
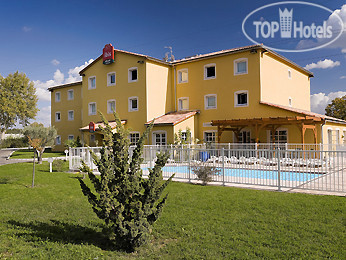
(173, 118)
(304, 112)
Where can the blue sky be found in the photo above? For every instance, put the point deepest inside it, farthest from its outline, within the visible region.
(51, 40)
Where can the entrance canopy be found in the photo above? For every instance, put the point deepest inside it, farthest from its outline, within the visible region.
(112, 124)
(271, 123)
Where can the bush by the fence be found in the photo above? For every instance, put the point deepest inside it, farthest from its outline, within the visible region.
(58, 165)
(205, 172)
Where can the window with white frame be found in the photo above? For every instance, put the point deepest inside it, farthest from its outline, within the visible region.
(70, 115)
(111, 106)
(92, 82)
(210, 101)
(210, 71)
(133, 104)
(240, 66)
(92, 108)
(70, 137)
(289, 74)
(183, 103)
(57, 116)
(159, 138)
(289, 101)
(133, 74)
(244, 137)
(57, 96)
(330, 136)
(183, 76)
(134, 138)
(241, 98)
(70, 94)
(58, 140)
(344, 136)
(111, 79)
(210, 137)
(281, 136)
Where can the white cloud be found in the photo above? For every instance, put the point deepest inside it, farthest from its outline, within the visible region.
(55, 62)
(321, 100)
(343, 50)
(343, 77)
(73, 74)
(43, 116)
(323, 64)
(26, 29)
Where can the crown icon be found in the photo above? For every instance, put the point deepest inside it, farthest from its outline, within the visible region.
(286, 22)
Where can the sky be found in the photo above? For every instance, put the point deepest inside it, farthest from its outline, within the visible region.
(51, 41)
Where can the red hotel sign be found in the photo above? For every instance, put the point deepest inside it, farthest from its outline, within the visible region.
(108, 54)
(91, 127)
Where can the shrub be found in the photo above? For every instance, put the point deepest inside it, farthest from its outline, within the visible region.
(58, 165)
(128, 203)
(205, 172)
(14, 142)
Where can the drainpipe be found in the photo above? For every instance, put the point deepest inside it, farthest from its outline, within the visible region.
(175, 89)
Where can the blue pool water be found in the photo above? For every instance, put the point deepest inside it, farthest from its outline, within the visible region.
(245, 173)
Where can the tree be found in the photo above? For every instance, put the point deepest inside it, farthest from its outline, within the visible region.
(337, 108)
(43, 136)
(128, 203)
(17, 101)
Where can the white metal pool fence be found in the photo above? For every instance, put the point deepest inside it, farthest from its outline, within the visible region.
(310, 169)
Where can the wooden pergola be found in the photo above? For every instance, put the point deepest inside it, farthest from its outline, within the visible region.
(272, 123)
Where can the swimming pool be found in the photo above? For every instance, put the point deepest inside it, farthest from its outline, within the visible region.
(246, 173)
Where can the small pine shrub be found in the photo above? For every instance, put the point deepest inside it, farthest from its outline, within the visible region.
(128, 203)
(205, 172)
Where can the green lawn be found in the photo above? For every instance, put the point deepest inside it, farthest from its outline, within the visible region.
(28, 153)
(55, 221)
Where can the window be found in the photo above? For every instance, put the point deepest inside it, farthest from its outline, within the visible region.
(134, 138)
(111, 79)
(70, 94)
(70, 137)
(330, 136)
(159, 138)
(289, 101)
(289, 74)
(133, 74)
(183, 103)
(244, 137)
(58, 140)
(70, 115)
(210, 101)
(92, 82)
(57, 97)
(184, 136)
(240, 66)
(210, 137)
(344, 136)
(92, 108)
(183, 76)
(210, 71)
(57, 116)
(133, 104)
(92, 138)
(111, 106)
(241, 98)
(281, 136)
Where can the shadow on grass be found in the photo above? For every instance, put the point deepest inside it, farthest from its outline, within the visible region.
(62, 232)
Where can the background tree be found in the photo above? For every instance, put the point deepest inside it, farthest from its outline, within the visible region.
(128, 203)
(43, 136)
(337, 108)
(17, 101)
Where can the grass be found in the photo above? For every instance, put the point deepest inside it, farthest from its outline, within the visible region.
(55, 221)
(29, 153)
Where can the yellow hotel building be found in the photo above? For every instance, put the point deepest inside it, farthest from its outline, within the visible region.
(241, 95)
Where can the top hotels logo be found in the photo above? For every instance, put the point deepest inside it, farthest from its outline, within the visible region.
(282, 31)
